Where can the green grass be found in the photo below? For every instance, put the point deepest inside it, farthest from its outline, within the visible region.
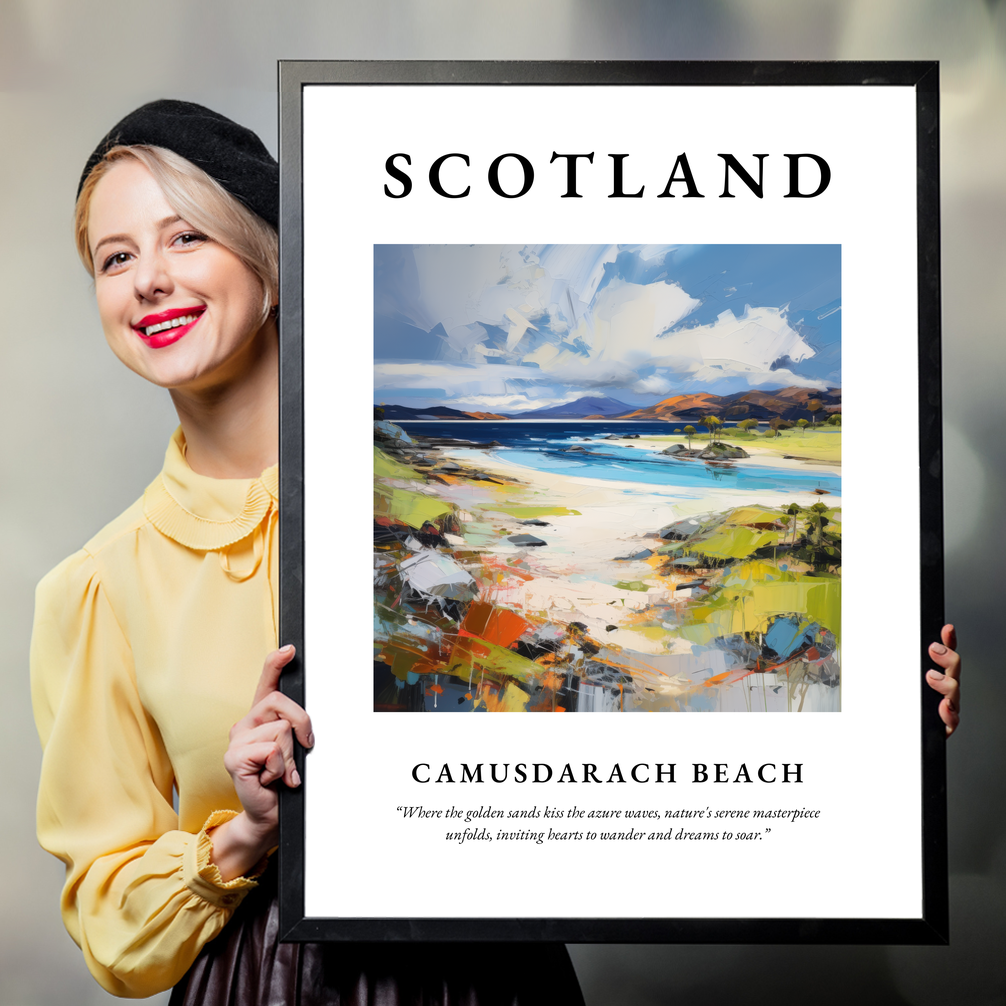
(535, 511)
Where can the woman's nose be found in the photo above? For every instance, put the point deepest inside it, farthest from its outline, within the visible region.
(152, 277)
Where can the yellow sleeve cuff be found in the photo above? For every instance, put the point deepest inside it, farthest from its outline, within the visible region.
(202, 877)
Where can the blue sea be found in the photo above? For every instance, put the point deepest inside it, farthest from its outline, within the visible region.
(539, 445)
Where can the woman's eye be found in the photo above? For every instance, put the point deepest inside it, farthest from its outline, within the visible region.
(114, 261)
(190, 238)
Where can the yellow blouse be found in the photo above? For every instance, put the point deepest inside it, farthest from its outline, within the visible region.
(147, 647)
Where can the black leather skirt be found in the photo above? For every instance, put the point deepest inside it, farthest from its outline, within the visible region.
(246, 965)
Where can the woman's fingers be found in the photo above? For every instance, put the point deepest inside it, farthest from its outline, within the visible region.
(270, 703)
(950, 716)
(946, 685)
(949, 636)
(947, 680)
(261, 749)
(274, 766)
(271, 671)
(277, 706)
(949, 710)
(948, 659)
(260, 761)
(278, 735)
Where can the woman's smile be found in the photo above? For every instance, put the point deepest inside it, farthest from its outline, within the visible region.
(166, 327)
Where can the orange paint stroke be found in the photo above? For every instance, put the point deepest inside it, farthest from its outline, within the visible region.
(720, 678)
(388, 521)
(552, 681)
(425, 667)
(504, 571)
(495, 625)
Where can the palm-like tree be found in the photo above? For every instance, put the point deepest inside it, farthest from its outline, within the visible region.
(818, 546)
(710, 423)
(794, 511)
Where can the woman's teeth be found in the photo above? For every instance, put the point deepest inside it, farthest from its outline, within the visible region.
(174, 323)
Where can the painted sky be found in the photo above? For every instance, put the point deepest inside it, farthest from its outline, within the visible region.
(513, 328)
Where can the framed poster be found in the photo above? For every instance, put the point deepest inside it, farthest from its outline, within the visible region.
(633, 370)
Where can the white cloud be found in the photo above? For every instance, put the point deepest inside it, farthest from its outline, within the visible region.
(744, 345)
(655, 384)
(631, 332)
(786, 378)
(631, 324)
(511, 403)
(622, 335)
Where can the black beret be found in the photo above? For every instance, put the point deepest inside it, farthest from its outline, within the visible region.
(230, 154)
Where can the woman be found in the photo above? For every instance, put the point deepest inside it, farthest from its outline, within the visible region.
(148, 643)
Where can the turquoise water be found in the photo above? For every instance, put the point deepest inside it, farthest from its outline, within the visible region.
(540, 446)
(617, 463)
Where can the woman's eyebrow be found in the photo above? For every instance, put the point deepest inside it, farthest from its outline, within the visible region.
(109, 240)
(160, 225)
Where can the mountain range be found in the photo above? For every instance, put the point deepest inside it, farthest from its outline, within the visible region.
(394, 413)
(791, 404)
(582, 408)
(784, 403)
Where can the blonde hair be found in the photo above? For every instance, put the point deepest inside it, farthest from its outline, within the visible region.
(199, 200)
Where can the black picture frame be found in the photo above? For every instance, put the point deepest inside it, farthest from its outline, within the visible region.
(932, 927)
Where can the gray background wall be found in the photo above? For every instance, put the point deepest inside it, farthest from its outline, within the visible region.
(82, 436)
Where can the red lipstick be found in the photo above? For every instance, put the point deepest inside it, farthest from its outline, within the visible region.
(166, 327)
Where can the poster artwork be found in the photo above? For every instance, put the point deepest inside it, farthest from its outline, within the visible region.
(607, 478)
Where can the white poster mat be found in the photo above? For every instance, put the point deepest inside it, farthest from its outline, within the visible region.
(862, 857)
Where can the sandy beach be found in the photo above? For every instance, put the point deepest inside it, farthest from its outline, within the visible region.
(583, 557)
(610, 518)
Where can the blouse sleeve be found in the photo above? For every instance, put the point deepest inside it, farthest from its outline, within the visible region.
(141, 898)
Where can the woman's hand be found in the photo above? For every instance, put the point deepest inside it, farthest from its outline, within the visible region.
(260, 753)
(947, 682)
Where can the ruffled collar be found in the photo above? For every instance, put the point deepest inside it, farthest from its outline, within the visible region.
(203, 513)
